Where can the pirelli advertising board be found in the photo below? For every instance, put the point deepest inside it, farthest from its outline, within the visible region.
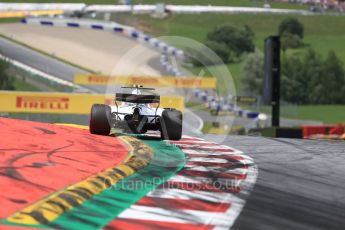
(65, 103)
(177, 82)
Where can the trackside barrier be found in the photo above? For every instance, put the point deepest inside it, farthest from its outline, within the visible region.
(310, 130)
(168, 81)
(283, 132)
(41, 6)
(193, 9)
(65, 103)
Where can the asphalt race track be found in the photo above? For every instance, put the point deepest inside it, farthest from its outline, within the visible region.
(300, 183)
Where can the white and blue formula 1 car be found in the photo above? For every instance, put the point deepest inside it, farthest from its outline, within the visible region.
(135, 114)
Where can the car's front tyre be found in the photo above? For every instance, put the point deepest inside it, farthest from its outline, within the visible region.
(100, 119)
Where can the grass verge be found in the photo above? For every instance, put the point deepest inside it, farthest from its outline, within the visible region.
(9, 20)
(24, 86)
(222, 129)
(328, 114)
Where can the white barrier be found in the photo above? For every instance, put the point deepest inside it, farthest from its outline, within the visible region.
(121, 8)
(41, 6)
(193, 9)
(230, 9)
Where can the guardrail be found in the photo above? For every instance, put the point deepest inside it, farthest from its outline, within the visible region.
(193, 9)
(41, 6)
(147, 8)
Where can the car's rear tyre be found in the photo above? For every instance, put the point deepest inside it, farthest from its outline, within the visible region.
(100, 119)
(171, 124)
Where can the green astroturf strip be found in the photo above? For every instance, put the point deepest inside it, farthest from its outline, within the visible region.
(101, 209)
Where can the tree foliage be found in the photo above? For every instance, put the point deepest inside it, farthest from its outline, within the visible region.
(291, 26)
(307, 80)
(334, 81)
(220, 49)
(6, 81)
(293, 84)
(290, 41)
(203, 56)
(237, 40)
(253, 73)
(313, 80)
(313, 76)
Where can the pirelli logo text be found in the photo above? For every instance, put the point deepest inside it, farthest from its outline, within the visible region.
(98, 79)
(188, 82)
(144, 80)
(48, 103)
(123, 80)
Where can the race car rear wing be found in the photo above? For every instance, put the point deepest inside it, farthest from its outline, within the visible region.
(137, 98)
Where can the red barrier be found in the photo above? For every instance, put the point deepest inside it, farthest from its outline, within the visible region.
(37, 159)
(310, 130)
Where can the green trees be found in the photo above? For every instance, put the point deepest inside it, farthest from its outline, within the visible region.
(313, 80)
(291, 26)
(236, 40)
(290, 41)
(252, 73)
(220, 49)
(228, 42)
(291, 32)
(307, 80)
(313, 75)
(334, 81)
(293, 86)
(6, 82)
(310, 79)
